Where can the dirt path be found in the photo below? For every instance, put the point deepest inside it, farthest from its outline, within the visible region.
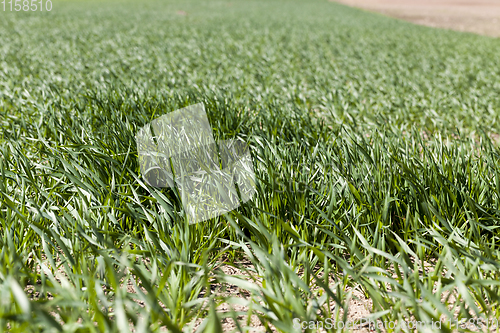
(478, 16)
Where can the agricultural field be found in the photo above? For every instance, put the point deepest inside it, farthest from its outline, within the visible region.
(375, 145)
(477, 16)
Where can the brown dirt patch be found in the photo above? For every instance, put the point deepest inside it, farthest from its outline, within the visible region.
(477, 16)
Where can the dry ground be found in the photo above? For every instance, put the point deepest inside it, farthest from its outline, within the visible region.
(359, 305)
(477, 16)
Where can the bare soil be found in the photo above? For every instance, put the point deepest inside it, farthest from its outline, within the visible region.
(477, 16)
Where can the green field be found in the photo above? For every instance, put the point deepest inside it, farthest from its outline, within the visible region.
(375, 144)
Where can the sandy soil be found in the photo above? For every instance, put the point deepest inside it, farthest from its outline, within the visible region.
(477, 16)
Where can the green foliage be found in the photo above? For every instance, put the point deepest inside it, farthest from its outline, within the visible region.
(374, 143)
